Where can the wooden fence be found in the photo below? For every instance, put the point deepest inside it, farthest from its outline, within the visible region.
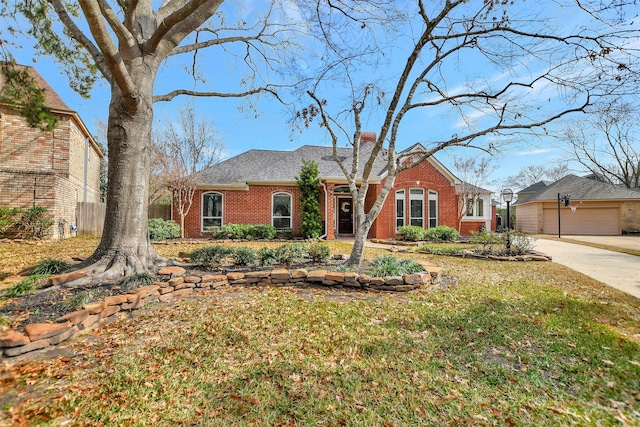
(90, 216)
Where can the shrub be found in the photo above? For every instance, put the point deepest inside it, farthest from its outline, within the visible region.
(50, 266)
(79, 299)
(35, 223)
(319, 252)
(245, 256)
(308, 181)
(387, 265)
(412, 233)
(8, 218)
(441, 233)
(25, 286)
(521, 243)
(487, 241)
(160, 229)
(267, 255)
(246, 231)
(289, 254)
(210, 256)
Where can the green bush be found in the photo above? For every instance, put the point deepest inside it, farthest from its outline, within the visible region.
(210, 256)
(267, 255)
(412, 233)
(290, 254)
(319, 252)
(309, 183)
(387, 265)
(160, 229)
(8, 218)
(245, 256)
(441, 233)
(50, 266)
(246, 231)
(35, 223)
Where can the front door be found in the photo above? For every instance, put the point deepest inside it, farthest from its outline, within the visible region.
(345, 216)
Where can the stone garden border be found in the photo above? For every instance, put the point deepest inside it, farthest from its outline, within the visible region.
(175, 283)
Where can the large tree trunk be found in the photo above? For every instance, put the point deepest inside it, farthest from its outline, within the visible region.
(125, 247)
(357, 254)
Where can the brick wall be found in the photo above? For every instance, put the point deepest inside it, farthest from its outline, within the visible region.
(45, 168)
(242, 207)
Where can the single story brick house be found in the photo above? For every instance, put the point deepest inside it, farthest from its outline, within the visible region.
(259, 187)
(600, 208)
(54, 169)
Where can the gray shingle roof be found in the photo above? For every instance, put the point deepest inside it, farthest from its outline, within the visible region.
(281, 166)
(582, 189)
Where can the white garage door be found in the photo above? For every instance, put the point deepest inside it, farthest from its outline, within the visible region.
(585, 221)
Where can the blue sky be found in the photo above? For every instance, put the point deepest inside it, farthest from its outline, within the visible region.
(269, 125)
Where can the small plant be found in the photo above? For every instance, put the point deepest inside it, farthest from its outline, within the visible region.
(264, 231)
(441, 249)
(521, 243)
(8, 218)
(412, 233)
(387, 265)
(210, 256)
(25, 286)
(487, 241)
(78, 300)
(343, 268)
(245, 256)
(35, 223)
(137, 280)
(160, 229)
(267, 255)
(50, 266)
(290, 254)
(319, 252)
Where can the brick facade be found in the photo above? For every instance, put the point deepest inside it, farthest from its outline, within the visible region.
(253, 205)
(47, 169)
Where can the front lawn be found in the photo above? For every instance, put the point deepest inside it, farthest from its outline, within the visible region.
(501, 344)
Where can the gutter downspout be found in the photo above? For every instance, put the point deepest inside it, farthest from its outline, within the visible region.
(326, 201)
(86, 167)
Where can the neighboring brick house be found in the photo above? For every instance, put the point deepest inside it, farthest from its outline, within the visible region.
(55, 169)
(259, 187)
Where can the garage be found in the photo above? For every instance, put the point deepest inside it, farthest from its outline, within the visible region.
(586, 221)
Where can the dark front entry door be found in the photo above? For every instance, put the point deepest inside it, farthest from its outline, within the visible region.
(345, 216)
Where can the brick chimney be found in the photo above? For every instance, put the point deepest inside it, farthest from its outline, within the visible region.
(367, 137)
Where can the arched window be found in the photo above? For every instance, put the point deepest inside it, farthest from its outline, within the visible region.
(281, 210)
(399, 208)
(416, 206)
(211, 211)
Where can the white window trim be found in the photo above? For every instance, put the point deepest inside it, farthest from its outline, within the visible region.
(416, 197)
(432, 195)
(202, 217)
(486, 207)
(403, 197)
(290, 208)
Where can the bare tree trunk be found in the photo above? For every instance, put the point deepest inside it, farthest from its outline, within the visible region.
(125, 247)
(357, 254)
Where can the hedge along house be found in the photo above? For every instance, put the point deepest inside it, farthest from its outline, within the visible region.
(600, 208)
(259, 187)
(54, 169)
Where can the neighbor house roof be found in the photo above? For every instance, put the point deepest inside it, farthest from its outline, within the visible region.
(54, 102)
(272, 166)
(581, 189)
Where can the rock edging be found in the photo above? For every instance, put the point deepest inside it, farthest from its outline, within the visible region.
(175, 283)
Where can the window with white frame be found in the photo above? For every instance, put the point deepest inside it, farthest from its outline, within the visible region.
(211, 211)
(281, 210)
(433, 209)
(399, 208)
(475, 207)
(416, 206)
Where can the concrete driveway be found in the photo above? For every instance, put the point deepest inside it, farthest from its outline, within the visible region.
(618, 270)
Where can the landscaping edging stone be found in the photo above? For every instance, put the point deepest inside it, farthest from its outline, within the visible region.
(175, 283)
